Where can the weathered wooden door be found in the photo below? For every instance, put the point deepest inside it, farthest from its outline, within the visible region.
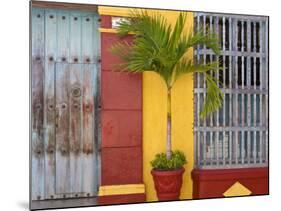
(65, 75)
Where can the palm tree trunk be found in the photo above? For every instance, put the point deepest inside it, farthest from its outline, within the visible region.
(169, 128)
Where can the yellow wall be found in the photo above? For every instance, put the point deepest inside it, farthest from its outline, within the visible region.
(155, 114)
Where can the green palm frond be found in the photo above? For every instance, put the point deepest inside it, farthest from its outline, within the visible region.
(214, 97)
(159, 47)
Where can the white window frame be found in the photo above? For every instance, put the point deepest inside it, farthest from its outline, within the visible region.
(235, 136)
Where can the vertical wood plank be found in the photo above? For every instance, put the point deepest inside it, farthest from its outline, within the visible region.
(49, 101)
(96, 39)
(63, 41)
(89, 152)
(37, 133)
(97, 125)
(76, 81)
(89, 80)
(87, 45)
(75, 133)
(63, 185)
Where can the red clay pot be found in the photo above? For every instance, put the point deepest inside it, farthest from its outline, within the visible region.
(168, 183)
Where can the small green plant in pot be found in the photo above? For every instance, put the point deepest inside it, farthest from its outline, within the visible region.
(161, 48)
(167, 174)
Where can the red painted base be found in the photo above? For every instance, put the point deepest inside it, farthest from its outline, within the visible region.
(213, 183)
(121, 199)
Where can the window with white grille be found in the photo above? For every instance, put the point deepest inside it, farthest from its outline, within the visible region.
(237, 134)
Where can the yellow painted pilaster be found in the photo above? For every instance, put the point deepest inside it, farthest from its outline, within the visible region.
(154, 125)
(182, 124)
(155, 120)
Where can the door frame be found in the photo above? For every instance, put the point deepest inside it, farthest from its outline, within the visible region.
(66, 6)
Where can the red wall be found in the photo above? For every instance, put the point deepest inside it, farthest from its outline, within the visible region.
(121, 122)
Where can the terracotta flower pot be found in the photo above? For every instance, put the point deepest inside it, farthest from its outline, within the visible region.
(168, 183)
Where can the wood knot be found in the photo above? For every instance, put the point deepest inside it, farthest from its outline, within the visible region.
(51, 16)
(87, 19)
(64, 148)
(75, 18)
(88, 148)
(63, 59)
(76, 106)
(37, 58)
(63, 106)
(88, 60)
(63, 17)
(88, 107)
(38, 15)
(50, 149)
(75, 59)
(39, 148)
(51, 58)
(75, 147)
(38, 106)
(50, 107)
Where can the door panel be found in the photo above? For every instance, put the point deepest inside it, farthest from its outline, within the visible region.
(50, 49)
(37, 106)
(65, 71)
(76, 153)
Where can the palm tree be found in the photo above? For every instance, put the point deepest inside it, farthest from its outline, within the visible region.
(161, 48)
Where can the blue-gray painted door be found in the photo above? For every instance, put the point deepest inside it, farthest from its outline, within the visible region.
(65, 70)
